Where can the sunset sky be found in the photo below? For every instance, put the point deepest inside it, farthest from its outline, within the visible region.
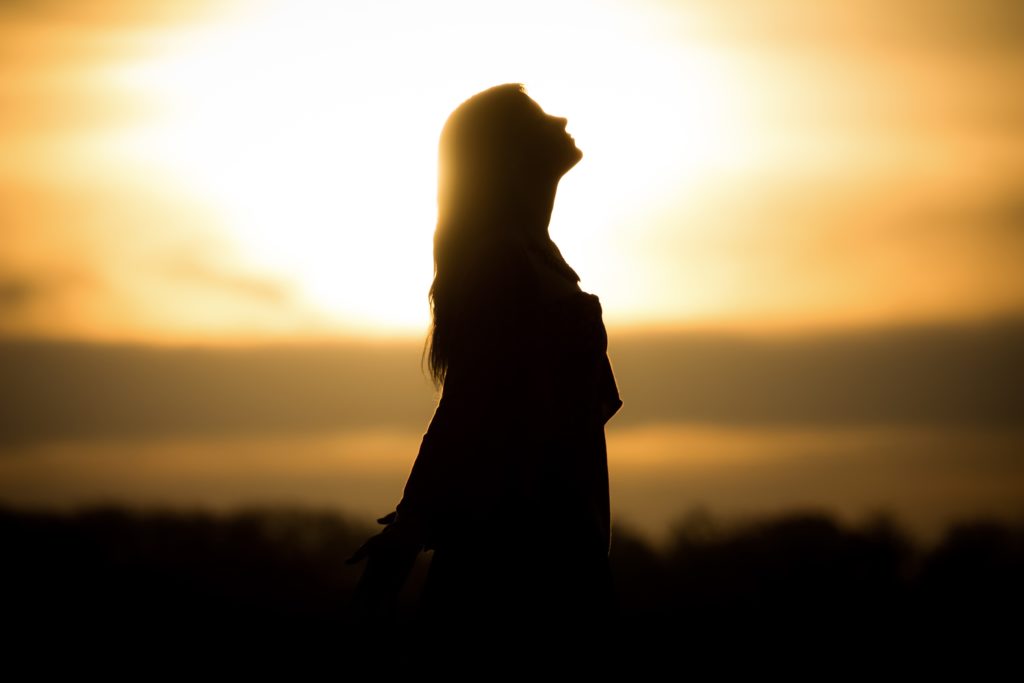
(770, 190)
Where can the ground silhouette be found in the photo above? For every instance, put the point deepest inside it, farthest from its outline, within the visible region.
(108, 574)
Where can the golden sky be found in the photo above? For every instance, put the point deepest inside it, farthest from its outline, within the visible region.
(804, 219)
(257, 171)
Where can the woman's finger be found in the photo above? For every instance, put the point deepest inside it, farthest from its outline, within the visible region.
(361, 553)
(356, 557)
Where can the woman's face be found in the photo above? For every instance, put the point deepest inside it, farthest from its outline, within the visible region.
(554, 150)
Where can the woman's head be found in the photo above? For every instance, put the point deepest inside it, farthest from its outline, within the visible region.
(496, 147)
(500, 159)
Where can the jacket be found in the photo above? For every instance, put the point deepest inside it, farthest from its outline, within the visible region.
(516, 445)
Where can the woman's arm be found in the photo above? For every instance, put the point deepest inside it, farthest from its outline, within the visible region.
(489, 394)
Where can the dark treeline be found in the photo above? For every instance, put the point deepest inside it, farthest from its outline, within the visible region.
(110, 572)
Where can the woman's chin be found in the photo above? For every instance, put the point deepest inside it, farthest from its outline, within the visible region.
(572, 159)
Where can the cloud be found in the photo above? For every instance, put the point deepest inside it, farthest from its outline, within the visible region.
(1001, 214)
(967, 375)
(16, 293)
(943, 25)
(19, 293)
(112, 13)
(78, 390)
(939, 374)
(263, 289)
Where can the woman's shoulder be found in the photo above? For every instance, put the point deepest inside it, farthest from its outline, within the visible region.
(513, 269)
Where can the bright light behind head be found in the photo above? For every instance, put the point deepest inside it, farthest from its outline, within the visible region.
(312, 129)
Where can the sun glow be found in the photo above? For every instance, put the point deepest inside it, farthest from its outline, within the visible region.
(311, 130)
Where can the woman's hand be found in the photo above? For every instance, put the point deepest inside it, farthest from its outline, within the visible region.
(390, 557)
(399, 538)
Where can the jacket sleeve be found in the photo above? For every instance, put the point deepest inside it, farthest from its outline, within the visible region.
(424, 493)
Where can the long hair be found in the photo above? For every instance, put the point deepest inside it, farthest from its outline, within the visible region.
(480, 157)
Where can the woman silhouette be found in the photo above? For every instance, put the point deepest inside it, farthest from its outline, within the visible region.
(510, 485)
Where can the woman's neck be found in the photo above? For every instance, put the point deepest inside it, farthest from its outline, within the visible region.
(530, 211)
